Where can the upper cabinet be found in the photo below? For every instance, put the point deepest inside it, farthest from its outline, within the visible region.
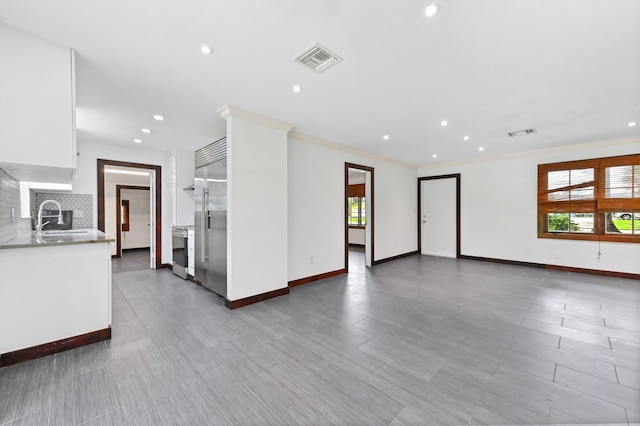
(37, 106)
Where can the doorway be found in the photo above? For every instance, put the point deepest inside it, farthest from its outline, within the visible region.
(133, 218)
(359, 217)
(439, 215)
(155, 251)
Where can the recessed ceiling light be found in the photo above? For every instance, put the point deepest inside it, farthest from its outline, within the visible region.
(481, 148)
(158, 117)
(385, 137)
(435, 155)
(205, 49)
(432, 9)
(146, 131)
(632, 124)
(443, 123)
(126, 172)
(297, 89)
(466, 138)
(137, 140)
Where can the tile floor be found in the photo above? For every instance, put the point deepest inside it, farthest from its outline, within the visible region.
(417, 341)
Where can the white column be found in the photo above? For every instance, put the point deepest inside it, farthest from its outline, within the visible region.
(257, 203)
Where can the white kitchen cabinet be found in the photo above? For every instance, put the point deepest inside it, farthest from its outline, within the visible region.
(66, 296)
(37, 106)
(191, 252)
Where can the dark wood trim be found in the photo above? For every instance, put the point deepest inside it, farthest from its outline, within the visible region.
(503, 261)
(455, 176)
(598, 217)
(119, 229)
(614, 274)
(193, 279)
(235, 304)
(307, 280)
(34, 352)
(158, 196)
(399, 256)
(166, 266)
(356, 244)
(601, 272)
(357, 227)
(370, 208)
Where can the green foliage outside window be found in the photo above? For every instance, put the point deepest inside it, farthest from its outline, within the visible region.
(559, 222)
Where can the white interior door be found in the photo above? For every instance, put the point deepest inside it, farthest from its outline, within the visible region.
(438, 209)
(152, 219)
(368, 261)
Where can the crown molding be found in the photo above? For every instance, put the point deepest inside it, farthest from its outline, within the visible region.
(336, 146)
(230, 111)
(567, 148)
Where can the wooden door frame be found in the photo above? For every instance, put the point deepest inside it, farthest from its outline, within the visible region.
(370, 204)
(455, 176)
(119, 189)
(158, 195)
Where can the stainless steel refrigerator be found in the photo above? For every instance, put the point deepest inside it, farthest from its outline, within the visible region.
(210, 188)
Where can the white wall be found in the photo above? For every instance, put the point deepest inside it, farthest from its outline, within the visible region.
(316, 208)
(499, 212)
(86, 178)
(257, 207)
(356, 236)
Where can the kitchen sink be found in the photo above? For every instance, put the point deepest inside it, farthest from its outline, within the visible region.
(65, 231)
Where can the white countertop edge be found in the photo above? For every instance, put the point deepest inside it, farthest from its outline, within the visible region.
(32, 239)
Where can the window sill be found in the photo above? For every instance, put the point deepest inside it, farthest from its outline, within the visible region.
(356, 226)
(617, 238)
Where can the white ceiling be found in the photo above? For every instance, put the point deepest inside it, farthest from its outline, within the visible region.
(569, 68)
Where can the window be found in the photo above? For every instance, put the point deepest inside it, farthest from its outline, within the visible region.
(124, 215)
(596, 199)
(356, 205)
(356, 214)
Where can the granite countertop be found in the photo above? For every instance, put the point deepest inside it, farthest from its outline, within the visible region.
(57, 238)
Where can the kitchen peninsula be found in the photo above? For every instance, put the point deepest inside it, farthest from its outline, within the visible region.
(55, 293)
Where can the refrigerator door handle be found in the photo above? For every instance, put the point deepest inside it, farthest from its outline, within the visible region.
(203, 234)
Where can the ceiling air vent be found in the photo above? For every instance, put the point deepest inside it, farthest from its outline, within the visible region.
(318, 58)
(522, 132)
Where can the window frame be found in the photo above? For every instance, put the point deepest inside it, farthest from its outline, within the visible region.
(360, 216)
(598, 205)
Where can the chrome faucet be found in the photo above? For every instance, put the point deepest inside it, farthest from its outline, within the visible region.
(59, 215)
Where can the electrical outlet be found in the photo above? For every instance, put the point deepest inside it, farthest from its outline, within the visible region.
(311, 260)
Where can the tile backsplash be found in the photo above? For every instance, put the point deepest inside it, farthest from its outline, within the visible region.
(81, 204)
(11, 223)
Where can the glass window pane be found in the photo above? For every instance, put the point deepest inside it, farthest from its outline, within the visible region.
(582, 193)
(581, 222)
(558, 222)
(558, 179)
(618, 181)
(623, 222)
(363, 216)
(352, 211)
(579, 176)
